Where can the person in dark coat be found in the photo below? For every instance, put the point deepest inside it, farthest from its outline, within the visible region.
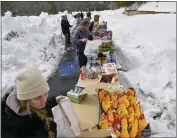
(66, 30)
(26, 112)
(91, 26)
(80, 39)
(89, 14)
(82, 16)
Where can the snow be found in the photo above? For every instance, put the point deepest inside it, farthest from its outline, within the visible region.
(31, 41)
(146, 46)
(158, 7)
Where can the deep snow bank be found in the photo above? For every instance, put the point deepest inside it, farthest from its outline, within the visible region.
(158, 7)
(31, 41)
(146, 46)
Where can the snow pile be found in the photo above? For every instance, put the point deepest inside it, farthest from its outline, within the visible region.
(31, 41)
(159, 7)
(146, 46)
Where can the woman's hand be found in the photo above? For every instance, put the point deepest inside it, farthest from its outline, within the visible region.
(58, 98)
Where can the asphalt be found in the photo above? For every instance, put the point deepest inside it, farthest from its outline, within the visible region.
(61, 85)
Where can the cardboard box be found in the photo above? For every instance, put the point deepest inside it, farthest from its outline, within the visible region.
(107, 79)
(76, 97)
(143, 134)
(103, 133)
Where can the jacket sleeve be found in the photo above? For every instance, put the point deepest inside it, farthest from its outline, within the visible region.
(90, 36)
(77, 41)
(17, 128)
(64, 24)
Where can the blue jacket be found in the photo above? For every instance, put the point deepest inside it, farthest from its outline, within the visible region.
(78, 36)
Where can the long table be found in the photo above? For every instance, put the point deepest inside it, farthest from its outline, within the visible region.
(87, 111)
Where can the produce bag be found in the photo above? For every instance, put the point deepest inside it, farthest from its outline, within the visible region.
(65, 110)
(91, 48)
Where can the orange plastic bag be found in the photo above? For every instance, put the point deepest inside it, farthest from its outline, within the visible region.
(114, 104)
(123, 97)
(122, 110)
(103, 95)
(133, 126)
(110, 116)
(104, 121)
(138, 109)
(106, 105)
(142, 122)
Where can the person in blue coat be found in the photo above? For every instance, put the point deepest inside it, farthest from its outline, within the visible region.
(81, 36)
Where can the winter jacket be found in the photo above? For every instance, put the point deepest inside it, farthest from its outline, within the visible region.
(16, 124)
(78, 36)
(89, 14)
(82, 16)
(65, 26)
(91, 26)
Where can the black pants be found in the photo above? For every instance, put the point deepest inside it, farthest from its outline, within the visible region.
(82, 59)
(69, 37)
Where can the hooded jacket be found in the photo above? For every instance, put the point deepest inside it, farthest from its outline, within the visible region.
(78, 36)
(65, 25)
(16, 124)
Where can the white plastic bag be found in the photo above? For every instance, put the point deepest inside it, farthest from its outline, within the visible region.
(91, 48)
(64, 108)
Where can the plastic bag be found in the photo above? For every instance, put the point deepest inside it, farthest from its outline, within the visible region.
(64, 108)
(91, 48)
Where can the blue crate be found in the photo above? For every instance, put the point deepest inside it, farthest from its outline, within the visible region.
(68, 68)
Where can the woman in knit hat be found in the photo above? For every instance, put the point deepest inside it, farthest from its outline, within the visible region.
(27, 112)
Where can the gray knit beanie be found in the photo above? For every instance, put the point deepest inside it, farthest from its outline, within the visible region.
(31, 84)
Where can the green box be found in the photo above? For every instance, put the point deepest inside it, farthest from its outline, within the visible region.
(76, 97)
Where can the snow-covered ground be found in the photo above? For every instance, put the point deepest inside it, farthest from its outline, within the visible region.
(146, 46)
(158, 7)
(31, 41)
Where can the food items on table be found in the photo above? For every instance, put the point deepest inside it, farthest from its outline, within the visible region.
(104, 121)
(131, 114)
(124, 132)
(106, 105)
(133, 127)
(142, 122)
(114, 104)
(106, 46)
(126, 121)
(138, 109)
(93, 75)
(76, 96)
(122, 110)
(110, 68)
(116, 124)
(123, 97)
(110, 116)
(124, 127)
(101, 94)
(123, 121)
(131, 96)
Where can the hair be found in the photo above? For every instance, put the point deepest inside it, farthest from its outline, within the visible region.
(85, 22)
(25, 106)
(40, 113)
